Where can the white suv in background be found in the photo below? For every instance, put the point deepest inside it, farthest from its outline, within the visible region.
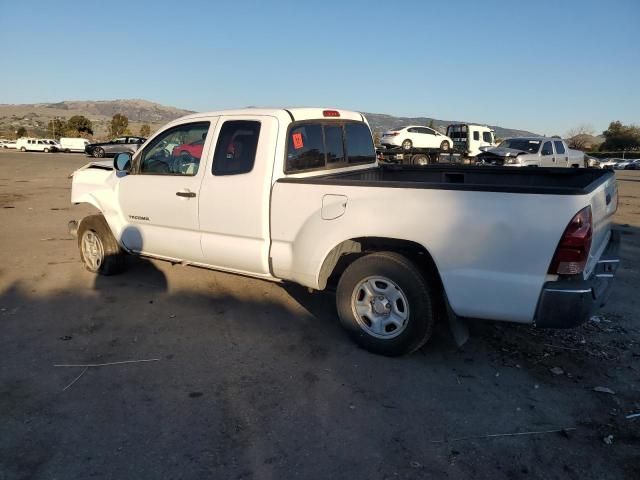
(34, 145)
(416, 136)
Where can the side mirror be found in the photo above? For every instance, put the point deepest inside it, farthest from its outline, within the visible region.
(122, 162)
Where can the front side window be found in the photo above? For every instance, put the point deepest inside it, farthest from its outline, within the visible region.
(428, 131)
(313, 146)
(176, 151)
(237, 146)
(487, 137)
(559, 147)
(476, 135)
(547, 149)
(133, 140)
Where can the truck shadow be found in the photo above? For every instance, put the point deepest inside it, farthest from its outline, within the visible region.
(251, 373)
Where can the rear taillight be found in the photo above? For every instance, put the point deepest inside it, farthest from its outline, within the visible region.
(573, 250)
(391, 134)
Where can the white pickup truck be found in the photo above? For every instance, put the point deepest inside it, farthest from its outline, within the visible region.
(533, 152)
(297, 195)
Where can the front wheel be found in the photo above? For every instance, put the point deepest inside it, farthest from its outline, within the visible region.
(385, 303)
(46, 150)
(444, 146)
(99, 249)
(22, 149)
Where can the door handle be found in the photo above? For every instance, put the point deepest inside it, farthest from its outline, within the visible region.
(186, 194)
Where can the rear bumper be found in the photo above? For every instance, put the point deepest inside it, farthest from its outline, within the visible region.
(569, 303)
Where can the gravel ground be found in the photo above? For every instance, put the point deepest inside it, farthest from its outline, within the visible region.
(257, 380)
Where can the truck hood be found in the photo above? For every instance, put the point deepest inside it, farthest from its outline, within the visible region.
(504, 152)
(101, 165)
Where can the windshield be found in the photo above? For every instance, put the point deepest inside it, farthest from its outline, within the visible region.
(524, 144)
(457, 132)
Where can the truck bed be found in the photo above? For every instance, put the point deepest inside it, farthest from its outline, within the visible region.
(550, 181)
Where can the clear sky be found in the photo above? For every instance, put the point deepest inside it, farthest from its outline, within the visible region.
(540, 65)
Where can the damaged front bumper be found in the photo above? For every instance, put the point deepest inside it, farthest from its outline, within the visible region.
(569, 303)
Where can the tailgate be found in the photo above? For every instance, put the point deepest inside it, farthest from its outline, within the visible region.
(604, 203)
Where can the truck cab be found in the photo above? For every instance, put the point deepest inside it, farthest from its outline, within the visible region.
(470, 139)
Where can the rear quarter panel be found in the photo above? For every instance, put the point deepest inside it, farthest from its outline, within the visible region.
(491, 249)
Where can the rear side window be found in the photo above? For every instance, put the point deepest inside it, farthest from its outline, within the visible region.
(559, 147)
(360, 147)
(476, 135)
(314, 146)
(486, 137)
(236, 149)
(306, 148)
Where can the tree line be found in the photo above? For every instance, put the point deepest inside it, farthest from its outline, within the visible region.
(617, 137)
(81, 126)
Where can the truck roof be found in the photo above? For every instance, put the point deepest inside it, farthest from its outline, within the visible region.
(287, 113)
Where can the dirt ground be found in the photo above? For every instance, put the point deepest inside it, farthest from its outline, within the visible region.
(256, 380)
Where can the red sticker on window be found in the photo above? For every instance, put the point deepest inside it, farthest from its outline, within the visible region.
(297, 141)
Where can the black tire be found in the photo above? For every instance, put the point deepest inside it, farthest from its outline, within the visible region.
(113, 258)
(420, 159)
(421, 304)
(46, 150)
(444, 146)
(98, 152)
(407, 144)
(22, 149)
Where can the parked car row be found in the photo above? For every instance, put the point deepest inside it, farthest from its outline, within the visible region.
(621, 164)
(46, 145)
(81, 145)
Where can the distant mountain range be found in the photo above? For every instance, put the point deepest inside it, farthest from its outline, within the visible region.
(35, 117)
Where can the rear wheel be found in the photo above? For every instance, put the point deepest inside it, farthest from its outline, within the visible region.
(407, 144)
(22, 149)
(46, 150)
(99, 249)
(444, 146)
(98, 152)
(385, 303)
(420, 159)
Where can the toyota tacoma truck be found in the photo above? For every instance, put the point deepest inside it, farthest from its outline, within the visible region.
(297, 195)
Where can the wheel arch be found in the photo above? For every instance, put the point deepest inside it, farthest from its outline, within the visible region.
(342, 254)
